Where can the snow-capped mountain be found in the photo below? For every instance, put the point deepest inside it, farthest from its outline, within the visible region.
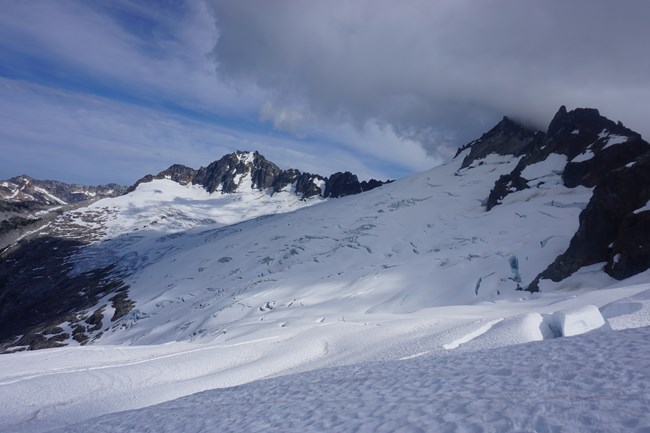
(52, 192)
(27, 204)
(252, 170)
(239, 271)
(37, 275)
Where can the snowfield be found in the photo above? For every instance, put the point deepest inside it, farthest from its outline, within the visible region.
(393, 310)
(462, 368)
(591, 383)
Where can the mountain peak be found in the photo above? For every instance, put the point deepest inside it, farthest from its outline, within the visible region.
(577, 117)
(250, 169)
(506, 138)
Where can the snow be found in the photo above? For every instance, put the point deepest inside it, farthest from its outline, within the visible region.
(471, 335)
(88, 193)
(585, 156)
(50, 196)
(321, 185)
(615, 139)
(644, 208)
(575, 382)
(594, 383)
(392, 310)
(166, 206)
(611, 139)
(551, 166)
(577, 321)
(15, 193)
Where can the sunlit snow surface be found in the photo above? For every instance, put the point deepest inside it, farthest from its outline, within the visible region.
(408, 290)
(591, 383)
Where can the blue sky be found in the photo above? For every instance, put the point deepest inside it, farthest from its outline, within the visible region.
(97, 92)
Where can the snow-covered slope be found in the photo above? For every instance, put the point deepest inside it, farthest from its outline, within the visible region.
(591, 383)
(163, 206)
(218, 290)
(442, 359)
(419, 242)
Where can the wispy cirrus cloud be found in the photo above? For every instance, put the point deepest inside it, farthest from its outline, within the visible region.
(136, 51)
(76, 137)
(134, 86)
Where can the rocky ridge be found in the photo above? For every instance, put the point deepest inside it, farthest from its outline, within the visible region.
(27, 203)
(601, 154)
(227, 174)
(52, 192)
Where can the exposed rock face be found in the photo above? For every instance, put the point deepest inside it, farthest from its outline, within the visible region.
(504, 186)
(506, 138)
(177, 172)
(229, 173)
(608, 220)
(630, 253)
(37, 292)
(601, 154)
(342, 184)
(225, 174)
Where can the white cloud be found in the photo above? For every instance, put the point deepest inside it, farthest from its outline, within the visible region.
(170, 63)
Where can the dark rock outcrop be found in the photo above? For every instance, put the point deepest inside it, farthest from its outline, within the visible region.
(506, 138)
(505, 185)
(608, 220)
(310, 185)
(342, 184)
(591, 171)
(225, 174)
(630, 254)
(178, 173)
(37, 292)
(575, 134)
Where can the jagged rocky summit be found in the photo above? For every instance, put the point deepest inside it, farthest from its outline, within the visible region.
(601, 154)
(231, 171)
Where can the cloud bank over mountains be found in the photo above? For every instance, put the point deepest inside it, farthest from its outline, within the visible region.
(437, 72)
(376, 87)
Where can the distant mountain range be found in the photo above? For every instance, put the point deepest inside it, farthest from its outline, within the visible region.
(226, 176)
(188, 254)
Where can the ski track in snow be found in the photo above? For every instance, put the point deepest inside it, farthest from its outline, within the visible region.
(472, 335)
